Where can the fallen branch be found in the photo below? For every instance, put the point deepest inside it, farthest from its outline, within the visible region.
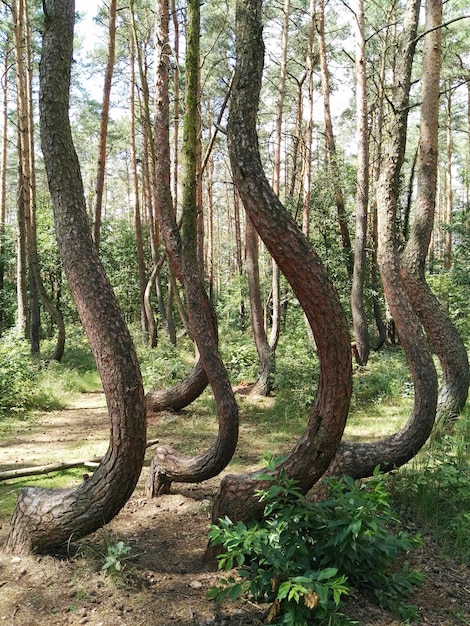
(57, 467)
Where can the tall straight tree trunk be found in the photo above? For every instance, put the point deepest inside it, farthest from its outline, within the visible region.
(176, 106)
(276, 275)
(101, 168)
(361, 335)
(23, 185)
(45, 520)
(145, 322)
(443, 335)
(3, 176)
(330, 141)
(167, 465)
(308, 136)
(148, 182)
(31, 231)
(263, 385)
(449, 191)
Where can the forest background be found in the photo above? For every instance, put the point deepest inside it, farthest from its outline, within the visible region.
(311, 144)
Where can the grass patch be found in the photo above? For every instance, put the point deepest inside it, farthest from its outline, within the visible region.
(434, 488)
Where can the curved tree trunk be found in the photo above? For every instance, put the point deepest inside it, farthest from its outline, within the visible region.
(46, 519)
(180, 395)
(302, 268)
(167, 464)
(442, 333)
(357, 459)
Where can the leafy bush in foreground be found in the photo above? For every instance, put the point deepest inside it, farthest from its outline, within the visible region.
(303, 556)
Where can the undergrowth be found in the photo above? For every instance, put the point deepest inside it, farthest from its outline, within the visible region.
(434, 488)
(303, 556)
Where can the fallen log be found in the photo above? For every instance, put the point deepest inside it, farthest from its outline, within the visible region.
(57, 467)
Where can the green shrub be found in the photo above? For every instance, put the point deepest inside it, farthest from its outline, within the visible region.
(164, 365)
(19, 374)
(435, 489)
(116, 556)
(302, 557)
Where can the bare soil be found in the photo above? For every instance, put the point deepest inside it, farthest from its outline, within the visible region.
(166, 580)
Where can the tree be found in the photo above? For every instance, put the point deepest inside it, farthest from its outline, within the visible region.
(360, 459)
(3, 175)
(361, 346)
(43, 519)
(442, 333)
(168, 465)
(330, 140)
(302, 268)
(100, 172)
(188, 390)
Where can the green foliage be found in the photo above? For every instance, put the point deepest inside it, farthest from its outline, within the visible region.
(303, 556)
(239, 355)
(28, 383)
(119, 256)
(165, 364)
(386, 378)
(116, 555)
(434, 488)
(19, 375)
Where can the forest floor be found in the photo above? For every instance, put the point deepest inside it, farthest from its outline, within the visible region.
(165, 581)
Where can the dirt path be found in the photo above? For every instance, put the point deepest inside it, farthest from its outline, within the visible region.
(166, 581)
(80, 431)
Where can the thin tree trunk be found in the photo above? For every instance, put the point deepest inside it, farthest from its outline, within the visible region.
(3, 177)
(308, 136)
(264, 384)
(330, 141)
(377, 142)
(100, 172)
(443, 335)
(39, 291)
(149, 185)
(22, 198)
(176, 113)
(449, 190)
(144, 319)
(361, 335)
(44, 520)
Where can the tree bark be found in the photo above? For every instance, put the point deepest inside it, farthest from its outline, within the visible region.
(443, 335)
(185, 392)
(302, 268)
(101, 167)
(266, 355)
(44, 520)
(145, 322)
(357, 459)
(330, 141)
(3, 177)
(358, 311)
(449, 190)
(168, 465)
